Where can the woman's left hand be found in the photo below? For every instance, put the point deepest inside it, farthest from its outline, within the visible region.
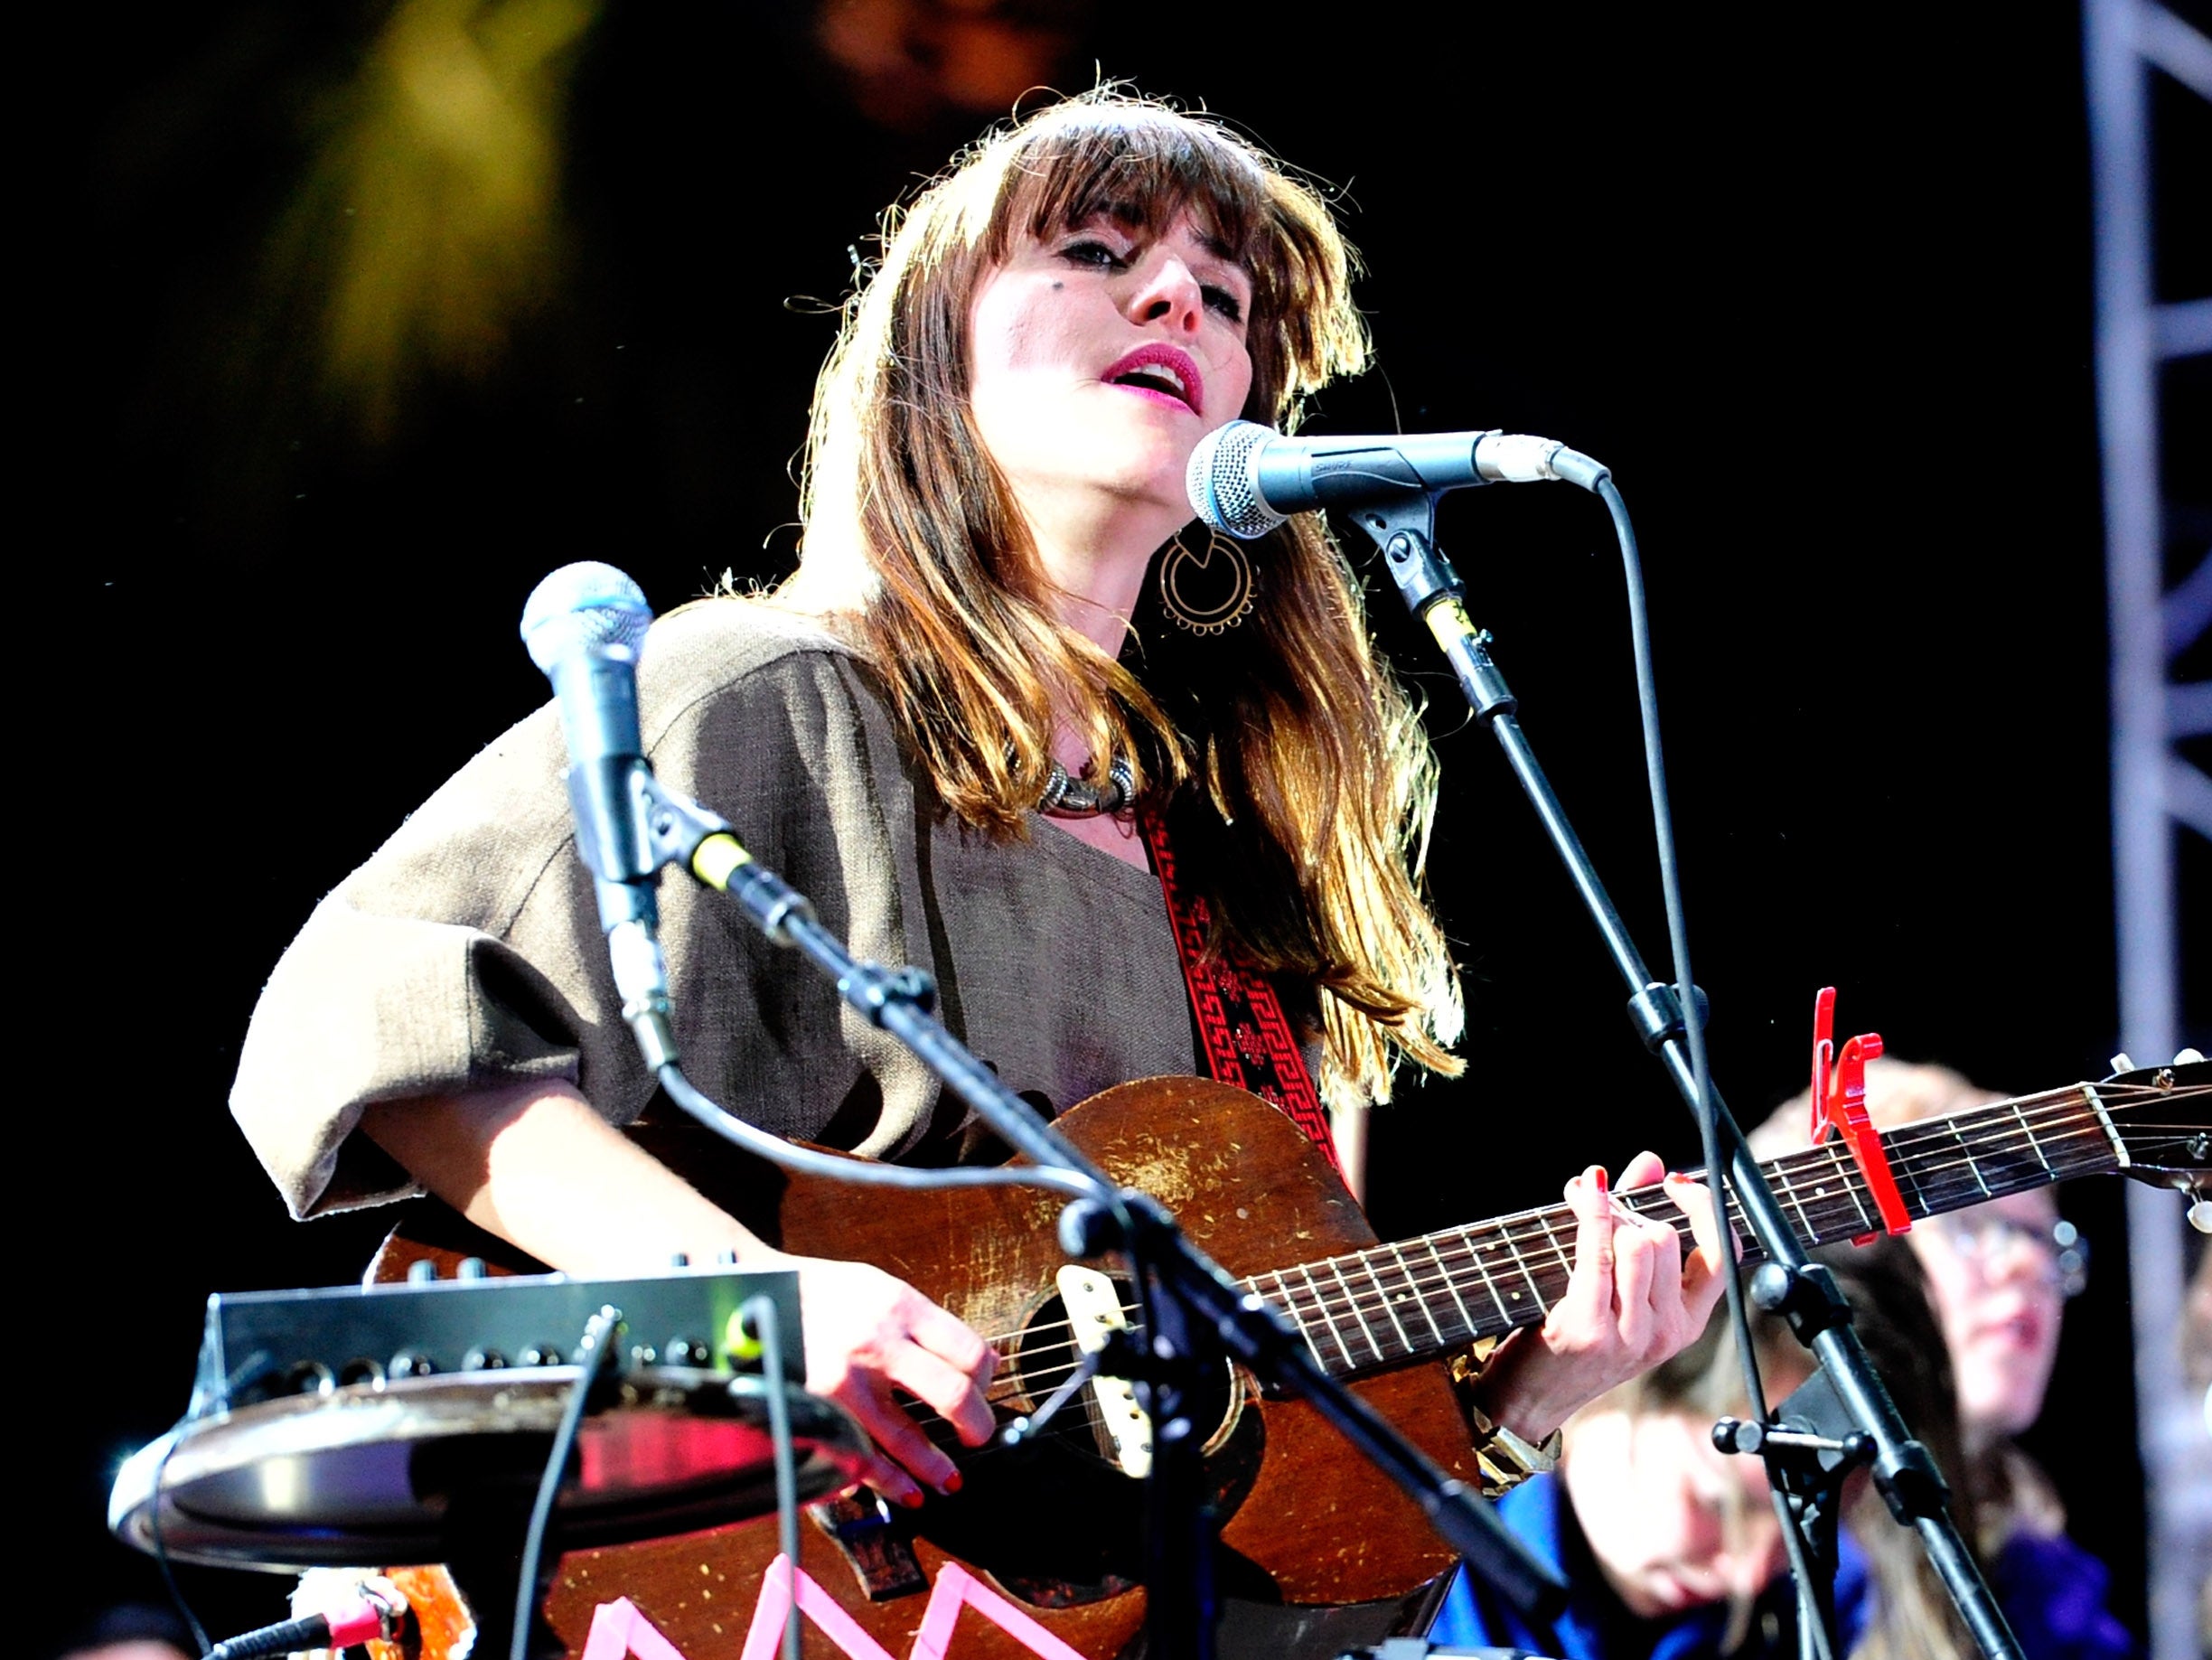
(1631, 1302)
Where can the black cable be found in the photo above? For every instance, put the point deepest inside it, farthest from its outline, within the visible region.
(759, 1314)
(289, 1637)
(597, 1344)
(161, 1544)
(1708, 1118)
(863, 1172)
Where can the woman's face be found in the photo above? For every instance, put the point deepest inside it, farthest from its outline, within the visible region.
(1994, 1274)
(1673, 1521)
(1099, 357)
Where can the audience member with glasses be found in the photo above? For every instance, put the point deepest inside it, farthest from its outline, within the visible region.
(1672, 1550)
(1999, 1274)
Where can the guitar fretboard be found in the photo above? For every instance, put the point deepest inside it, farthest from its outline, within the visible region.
(1419, 1298)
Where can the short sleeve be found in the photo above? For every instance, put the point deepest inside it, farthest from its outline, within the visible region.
(467, 951)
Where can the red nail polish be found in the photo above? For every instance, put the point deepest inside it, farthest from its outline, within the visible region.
(951, 1484)
(913, 1501)
(1600, 1177)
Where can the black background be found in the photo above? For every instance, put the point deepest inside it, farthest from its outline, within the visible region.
(1815, 284)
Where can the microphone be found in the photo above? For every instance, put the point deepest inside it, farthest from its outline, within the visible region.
(1246, 479)
(583, 626)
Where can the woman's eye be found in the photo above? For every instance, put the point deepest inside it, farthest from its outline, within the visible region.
(1096, 254)
(1225, 302)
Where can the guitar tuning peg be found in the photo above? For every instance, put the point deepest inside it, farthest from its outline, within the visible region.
(2123, 1062)
(2200, 1216)
(2188, 1057)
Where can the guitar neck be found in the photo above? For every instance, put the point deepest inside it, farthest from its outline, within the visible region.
(1420, 1298)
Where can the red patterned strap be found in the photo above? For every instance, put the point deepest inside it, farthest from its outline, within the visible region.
(1247, 1039)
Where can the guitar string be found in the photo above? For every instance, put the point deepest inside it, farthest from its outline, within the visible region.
(1318, 1304)
(1511, 1232)
(1033, 1379)
(1930, 1183)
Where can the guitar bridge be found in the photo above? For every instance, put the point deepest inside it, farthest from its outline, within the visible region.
(880, 1556)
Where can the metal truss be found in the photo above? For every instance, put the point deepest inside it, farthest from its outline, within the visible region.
(2157, 793)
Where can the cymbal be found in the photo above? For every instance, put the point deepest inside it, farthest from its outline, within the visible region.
(372, 1472)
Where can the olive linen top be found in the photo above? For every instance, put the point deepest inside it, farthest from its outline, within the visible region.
(467, 951)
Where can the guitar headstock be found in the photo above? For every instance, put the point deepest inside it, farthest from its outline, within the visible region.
(2163, 1115)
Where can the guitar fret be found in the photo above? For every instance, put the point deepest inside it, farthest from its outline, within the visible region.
(1473, 1251)
(1450, 1285)
(2028, 1129)
(1412, 1290)
(1521, 1264)
(1327, 1318)
(1806, 1229)
(1974, 1165)
(1847, 1172)
(1352, 1299)
(1286, 1300)
(1565, 1259)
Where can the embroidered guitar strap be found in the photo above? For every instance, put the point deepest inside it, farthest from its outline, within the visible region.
(1246, 1038)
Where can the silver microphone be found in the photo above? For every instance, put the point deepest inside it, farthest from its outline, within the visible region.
(584, 626)
(1246, 479)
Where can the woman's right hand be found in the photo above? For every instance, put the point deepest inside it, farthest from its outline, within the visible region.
(869, 1332)
(534, 1164)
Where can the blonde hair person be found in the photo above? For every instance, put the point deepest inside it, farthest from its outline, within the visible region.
(1999, 1274)
(995, 470)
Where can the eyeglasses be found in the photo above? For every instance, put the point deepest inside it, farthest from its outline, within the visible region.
(1983, 1237)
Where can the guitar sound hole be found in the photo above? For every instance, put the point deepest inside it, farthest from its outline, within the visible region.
(1056, 1518)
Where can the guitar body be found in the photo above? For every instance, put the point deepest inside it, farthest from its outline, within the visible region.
(1307, 1527)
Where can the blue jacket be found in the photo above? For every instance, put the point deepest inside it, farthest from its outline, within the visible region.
(2052, 1592)
(1597, 1626)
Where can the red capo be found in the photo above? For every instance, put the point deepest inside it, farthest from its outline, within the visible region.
(1839, 1104)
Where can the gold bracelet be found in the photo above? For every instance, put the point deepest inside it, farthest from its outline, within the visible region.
(1504, 1458)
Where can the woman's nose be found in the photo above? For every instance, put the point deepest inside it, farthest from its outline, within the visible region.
(1168, 291)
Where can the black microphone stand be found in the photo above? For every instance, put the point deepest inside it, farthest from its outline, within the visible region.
(1849, 1418)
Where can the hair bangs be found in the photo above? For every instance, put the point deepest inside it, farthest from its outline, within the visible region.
(1145, 166)
(1144, 174)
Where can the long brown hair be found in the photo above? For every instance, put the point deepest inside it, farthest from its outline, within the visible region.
(1296, 779)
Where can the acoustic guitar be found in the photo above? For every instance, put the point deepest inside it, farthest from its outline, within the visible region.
(1319, 1551)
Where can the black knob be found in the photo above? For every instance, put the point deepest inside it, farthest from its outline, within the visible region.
(538, 1354)
(484, 1360)
(410, 1362)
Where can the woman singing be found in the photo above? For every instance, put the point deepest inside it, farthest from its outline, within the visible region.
(1009, 677)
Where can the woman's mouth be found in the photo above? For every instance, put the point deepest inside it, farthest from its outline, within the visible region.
(1164, 372)
(2022, 1329)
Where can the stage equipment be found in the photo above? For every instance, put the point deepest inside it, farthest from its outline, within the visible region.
(426, 1422)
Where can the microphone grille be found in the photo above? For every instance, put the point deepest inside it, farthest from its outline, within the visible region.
(1223, 481)
(588, 607)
